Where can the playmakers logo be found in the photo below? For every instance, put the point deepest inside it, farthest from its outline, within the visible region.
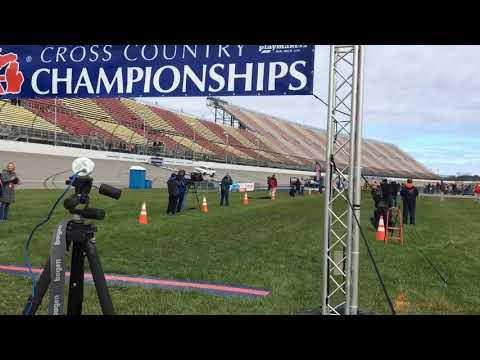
(267, 49)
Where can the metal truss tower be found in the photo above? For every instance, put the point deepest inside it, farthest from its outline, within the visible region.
(343, 181)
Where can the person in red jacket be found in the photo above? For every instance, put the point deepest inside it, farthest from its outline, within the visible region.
(272, 183)
(476, 191)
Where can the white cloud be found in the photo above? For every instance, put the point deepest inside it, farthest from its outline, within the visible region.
(414, 96)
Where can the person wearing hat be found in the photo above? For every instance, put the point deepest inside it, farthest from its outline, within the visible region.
(409, 195)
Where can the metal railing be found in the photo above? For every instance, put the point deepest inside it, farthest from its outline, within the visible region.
(24, 134)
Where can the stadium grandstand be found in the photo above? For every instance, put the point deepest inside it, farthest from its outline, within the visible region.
(237, 135)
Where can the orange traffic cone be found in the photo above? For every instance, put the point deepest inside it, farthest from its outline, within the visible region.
(381, 230)
(142, 219)
(245, 199)
(204, 205)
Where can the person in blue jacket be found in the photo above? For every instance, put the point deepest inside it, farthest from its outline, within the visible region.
(409, 194)
(173, 194)
(182, 187)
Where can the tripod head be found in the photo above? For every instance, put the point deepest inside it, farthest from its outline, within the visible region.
(83, 184)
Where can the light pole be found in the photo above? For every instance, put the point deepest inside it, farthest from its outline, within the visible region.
(55, 141)
(194, 142)
(226, 134)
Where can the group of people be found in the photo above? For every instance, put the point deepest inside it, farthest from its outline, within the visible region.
(385, 197)
(178, 186)
(450, 189)
(297, 188)
(8, 181)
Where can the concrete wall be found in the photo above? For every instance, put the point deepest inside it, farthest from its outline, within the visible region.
(37, 162)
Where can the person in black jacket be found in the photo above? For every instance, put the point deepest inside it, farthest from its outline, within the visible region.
(225, 189)
(395, 190)
(298, 185)
(409, 194)
(173, 185)
(182, 186)
(380, 205)
(387, 192)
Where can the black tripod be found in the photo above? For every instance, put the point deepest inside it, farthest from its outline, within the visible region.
(193, 186)
(81, 236)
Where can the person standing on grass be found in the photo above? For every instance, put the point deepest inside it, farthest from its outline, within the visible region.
(273, 184)
(8, 180)
(173, 186)
(182, 186)
(298, 185)
(409, 196)
(395, 190)
(476, 192)
(225, 189)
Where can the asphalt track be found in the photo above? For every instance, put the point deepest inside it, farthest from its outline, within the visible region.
(38, 171)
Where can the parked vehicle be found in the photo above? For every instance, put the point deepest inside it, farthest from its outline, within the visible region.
(205, 171)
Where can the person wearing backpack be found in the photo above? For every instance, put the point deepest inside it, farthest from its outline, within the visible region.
(8, 180)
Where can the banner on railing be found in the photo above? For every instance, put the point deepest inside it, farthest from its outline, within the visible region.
(32, 71)
(242, 187)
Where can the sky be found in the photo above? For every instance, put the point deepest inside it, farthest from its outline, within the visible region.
(423, 98)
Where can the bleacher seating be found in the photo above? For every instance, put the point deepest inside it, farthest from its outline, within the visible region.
(91, 112)
(20, 116)
(182, 127)
(259, 137)
(304, 142)
(67, 121)
(158, 123)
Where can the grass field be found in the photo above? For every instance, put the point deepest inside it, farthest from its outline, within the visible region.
(274, 245)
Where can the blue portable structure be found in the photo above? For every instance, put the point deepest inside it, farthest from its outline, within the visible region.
(148, 184)
(137, 177)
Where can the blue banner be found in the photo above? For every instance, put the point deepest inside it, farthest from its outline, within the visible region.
(32, 71)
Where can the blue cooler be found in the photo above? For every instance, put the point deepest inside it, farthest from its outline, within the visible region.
(148, 184)
(137, 177)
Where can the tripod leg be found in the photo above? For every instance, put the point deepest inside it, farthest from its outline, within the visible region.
(99, 279)
(75, 294)
(40, 290)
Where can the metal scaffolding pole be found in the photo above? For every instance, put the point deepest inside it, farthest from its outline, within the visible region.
(342, 181)
(55, 140)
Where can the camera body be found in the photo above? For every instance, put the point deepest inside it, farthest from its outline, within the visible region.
(194, 177)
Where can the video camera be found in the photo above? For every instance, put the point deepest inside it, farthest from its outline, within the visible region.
(194, 177)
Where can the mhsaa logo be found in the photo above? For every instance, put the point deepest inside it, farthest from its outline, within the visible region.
(11, 78)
